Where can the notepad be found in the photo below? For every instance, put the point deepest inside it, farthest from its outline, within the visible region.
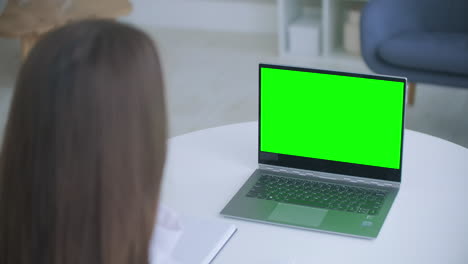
(201, 240)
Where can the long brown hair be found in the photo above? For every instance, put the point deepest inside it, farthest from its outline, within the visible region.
(84, 149)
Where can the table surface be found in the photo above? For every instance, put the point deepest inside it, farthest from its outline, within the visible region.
(428, 222)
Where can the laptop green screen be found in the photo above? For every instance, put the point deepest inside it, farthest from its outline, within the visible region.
(331, 117)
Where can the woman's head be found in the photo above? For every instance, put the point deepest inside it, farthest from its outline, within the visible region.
(84, 148)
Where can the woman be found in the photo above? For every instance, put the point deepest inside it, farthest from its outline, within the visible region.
(84, 149)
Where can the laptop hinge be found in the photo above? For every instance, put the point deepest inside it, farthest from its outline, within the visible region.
(329, 176)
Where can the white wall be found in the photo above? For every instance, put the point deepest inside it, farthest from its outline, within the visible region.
(216, 15)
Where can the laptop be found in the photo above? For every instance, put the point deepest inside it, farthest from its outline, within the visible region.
(330, 150)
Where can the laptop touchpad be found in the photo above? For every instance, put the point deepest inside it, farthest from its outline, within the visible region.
(297, 215)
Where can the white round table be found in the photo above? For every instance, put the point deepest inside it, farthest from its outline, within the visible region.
(428, 222)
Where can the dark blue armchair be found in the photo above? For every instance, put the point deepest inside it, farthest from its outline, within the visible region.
(423, 40)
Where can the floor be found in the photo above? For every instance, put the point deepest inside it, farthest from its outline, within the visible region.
(211, 80)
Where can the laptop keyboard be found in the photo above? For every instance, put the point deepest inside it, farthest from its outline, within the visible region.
(318, 194)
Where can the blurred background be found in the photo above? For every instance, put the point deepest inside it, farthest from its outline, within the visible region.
(210, 50)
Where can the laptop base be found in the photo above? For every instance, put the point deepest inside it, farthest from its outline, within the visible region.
(344, 222)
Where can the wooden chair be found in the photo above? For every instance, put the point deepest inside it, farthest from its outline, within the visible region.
(29, 21)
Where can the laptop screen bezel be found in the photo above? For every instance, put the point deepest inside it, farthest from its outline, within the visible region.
(313, 164)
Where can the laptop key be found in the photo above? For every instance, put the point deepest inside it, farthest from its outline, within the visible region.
(363, 210)
(372, 212)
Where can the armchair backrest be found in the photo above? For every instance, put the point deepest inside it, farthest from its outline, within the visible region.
(435, 15)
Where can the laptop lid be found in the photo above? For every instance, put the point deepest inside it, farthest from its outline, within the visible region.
(331, 121)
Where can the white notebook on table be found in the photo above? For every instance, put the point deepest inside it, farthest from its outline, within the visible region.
(201, 240)
(187, 239)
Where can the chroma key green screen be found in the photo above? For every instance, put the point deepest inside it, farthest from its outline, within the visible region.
(331, 117)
